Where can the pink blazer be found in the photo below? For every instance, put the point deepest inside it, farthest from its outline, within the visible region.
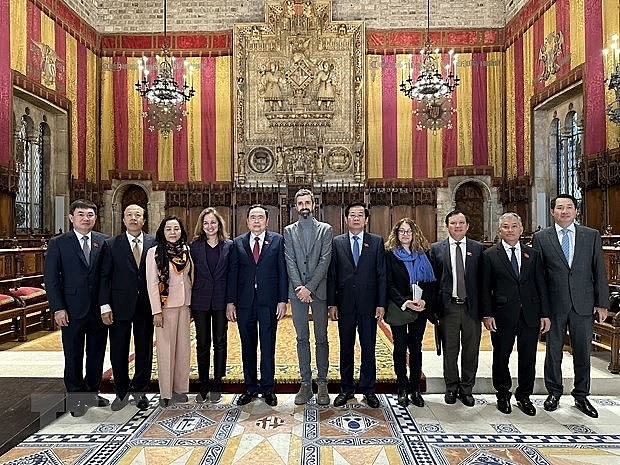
(180, 285)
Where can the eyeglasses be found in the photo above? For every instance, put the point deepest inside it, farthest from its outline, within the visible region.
(405, 232)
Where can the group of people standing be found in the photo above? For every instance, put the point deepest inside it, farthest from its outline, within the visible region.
(145, 284)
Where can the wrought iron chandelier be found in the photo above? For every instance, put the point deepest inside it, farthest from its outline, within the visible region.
(165, 98)
(613, 81)
(431, 84)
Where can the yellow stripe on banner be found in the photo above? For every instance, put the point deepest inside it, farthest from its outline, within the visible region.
(465, 147)
(194, 121)
(611, 26)
(223, 119)
(135, 121)
(107, 117)
(495, 110)
(511, 153)
(374, 118)
(71, 73)
(577, 30)
(549, 27)
(404, 129)
(434, 150)
(48, 37)
(164, 157)
(529, 61)
(18, 39)
(92, 113)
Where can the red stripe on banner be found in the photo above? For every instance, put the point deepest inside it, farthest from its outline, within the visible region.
(33, 36)
(179, 146)
(594, 90)
(419, 147)
(6, 107)
(150, 146)
(208, 130)
(61, 52)
(121, 117)
(82, 86)
(562, 24)
(480, 133)
(519, 105)
(388, 110)
(539, 66)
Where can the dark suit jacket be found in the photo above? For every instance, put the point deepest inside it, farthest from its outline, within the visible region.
(584, 285)
(70, 283)
(399, 287)
(123, 284)
(362, 288)
(504, 296)
(268, 277)
(209, 288)
(440, 259)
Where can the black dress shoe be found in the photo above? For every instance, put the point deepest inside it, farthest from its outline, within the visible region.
(586, 407)
(503, 405)
(526, 406)
(119, 403)
(79, 409)
(142, 402)
(270, 399)
(246, 398)
(450, 397)
(551, 403)
(467, 399)
(416, 399)
(403, 400)
(342, 398)
(372, 400)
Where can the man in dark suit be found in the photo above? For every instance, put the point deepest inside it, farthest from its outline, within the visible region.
(308, 252)
(257, 293)
(579, 292)
(514, 303)
(455, 262)
(356, 295)
(125, 305)
(72, 273)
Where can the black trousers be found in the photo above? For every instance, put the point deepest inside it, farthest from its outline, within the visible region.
(211, 326)
(366, 327)
(408, 337)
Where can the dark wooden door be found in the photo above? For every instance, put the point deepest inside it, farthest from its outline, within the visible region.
(470, 200)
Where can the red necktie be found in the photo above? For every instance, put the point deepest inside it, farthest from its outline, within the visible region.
(256, 249)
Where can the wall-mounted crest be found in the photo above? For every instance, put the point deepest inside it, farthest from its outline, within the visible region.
(548, 55)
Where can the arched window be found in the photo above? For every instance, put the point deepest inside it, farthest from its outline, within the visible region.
(569, 156)
(29, 149)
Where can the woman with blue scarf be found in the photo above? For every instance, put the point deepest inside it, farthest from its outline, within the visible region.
(408, 267)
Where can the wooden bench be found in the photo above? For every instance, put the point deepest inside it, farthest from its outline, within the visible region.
(606, 334)
(12, 323)
(31, 308)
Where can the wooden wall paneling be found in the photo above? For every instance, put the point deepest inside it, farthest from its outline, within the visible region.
(181, 213)
(7, 220)
(613, 202)
(592, 212)
(225, 212)
(425, 218)
(241, 220)
(399, 212)
(194, 213)
(333, 214)
(379, 222)
(274, 223)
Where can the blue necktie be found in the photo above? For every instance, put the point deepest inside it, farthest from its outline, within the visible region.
(513, 261)
(356, 250)
(566, 243)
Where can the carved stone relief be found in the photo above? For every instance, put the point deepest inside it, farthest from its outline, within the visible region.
(299, 103)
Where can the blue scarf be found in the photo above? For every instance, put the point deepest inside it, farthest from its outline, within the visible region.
(417, 264)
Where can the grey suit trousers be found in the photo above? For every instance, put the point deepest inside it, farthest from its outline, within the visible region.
(300, 321)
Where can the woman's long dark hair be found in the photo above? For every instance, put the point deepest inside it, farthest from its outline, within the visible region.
(161, 252)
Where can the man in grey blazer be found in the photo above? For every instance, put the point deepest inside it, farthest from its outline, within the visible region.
(579, 294)
(308, 251)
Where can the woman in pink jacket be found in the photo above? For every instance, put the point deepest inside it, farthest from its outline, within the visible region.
(169, 275)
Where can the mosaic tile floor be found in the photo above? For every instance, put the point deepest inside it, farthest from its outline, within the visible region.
(218, 434)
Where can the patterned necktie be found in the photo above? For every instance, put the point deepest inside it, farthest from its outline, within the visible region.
(461, 292)
(137, 252)
(86, 249)
(256, 249)
(566, 244)
(513, 261)
(356, 250)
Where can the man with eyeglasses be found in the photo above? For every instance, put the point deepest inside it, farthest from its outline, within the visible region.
(72, 275)
(356, 296)
(256, 295)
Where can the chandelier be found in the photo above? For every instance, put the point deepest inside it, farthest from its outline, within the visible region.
(613, 81)
(163, 96)
(431, 84)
